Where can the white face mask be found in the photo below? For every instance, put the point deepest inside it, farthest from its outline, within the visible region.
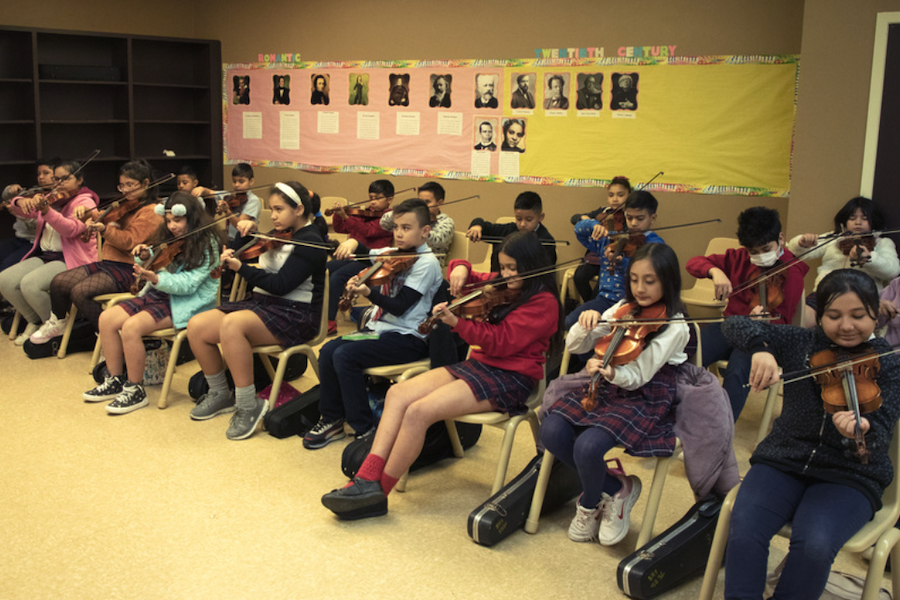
(766, 259)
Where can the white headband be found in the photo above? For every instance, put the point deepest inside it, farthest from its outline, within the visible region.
(290, 192)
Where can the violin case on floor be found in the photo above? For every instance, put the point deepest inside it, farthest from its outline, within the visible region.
(82, 340)
(507, 510)
(673, 557)
(295, 417)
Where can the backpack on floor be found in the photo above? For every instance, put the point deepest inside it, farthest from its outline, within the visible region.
(154, 366)
(82, 340)
(294, 417)
(437, 447)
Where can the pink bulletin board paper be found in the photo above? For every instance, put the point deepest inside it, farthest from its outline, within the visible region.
(669, 131)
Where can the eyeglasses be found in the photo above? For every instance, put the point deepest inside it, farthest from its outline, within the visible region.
(61, 179)
(128, 188)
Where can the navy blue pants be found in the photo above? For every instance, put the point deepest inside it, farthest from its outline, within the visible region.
(737, 374)
(823, 517)
(12, 250)
(343, 384)
(339, 273)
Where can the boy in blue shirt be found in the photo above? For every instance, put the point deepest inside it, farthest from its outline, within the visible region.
(401, 306)
(241, 181)
(640, 215)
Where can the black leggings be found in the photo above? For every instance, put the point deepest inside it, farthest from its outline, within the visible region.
(78, 287)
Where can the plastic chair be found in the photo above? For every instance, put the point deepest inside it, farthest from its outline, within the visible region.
(660, 472)
(108, 301)
(703, 294)
(484, 266)
(283, 354)
(568, 284)
(879, 532)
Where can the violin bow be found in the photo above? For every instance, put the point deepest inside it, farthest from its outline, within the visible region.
(525, 274)
(152, 184)
(397, 193)
(801, 374)
(637, 189)
(74, 173)
(617, 233)
(459, 200)
(496, 240)
(629, 322)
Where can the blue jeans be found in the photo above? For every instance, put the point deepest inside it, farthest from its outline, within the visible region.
(737, 374)
(823, 517)
(343, 384)
(12, 250)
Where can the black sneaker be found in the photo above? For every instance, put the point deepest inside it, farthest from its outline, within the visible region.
(132, 398)
(323, 434)
(109, 389)
(359, 500)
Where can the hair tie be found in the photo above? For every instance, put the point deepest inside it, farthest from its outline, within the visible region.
(160, 209)
(289, 192)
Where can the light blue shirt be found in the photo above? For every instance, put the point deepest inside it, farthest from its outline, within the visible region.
(424, 277)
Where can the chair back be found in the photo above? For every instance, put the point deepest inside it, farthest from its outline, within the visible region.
(459, 248)
(323, 322)
(480, 253)
(887, 516)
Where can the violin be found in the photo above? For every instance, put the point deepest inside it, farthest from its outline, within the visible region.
(479, 305)
(384, 268)
(117, 209)
(615, 219)
(624, 246)
(232, 201)
(167, 251)
(363, 212)
(256, 248)
(846, 245)
(848, 387)
(769, 292)
(625, 342)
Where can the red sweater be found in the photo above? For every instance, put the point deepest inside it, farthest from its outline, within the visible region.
(737, 266)
(367, 231)
(517, 343)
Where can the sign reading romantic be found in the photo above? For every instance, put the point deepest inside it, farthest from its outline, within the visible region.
(575, 121)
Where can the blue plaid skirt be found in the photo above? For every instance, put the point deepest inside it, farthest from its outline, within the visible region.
(154, 302)
(507, 391)
(292, 323)
(642, 420)
(122, 273)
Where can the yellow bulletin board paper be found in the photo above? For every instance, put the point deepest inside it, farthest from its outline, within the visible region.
(716, 125)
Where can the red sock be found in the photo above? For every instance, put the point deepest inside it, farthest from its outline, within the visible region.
(372, 468)
(388, 483)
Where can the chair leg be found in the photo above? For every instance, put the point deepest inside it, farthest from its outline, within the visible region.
(455, 442)
(95, 355)
(717, 551)
(540, 490)
(766, 421)
(14, 328)
(509, 436)
(163, 401)
(656, 490)
(882, 550)
(61, 353)
(401, 484)
(277, 376)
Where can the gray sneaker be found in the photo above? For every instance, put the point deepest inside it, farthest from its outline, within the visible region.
(212, 405)
(244, 422)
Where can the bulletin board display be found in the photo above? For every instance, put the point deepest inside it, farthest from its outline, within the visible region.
(713, 125)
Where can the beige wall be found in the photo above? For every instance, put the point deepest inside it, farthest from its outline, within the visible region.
(160, 17)
(356, 29)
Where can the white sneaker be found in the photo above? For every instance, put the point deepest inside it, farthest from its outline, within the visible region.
(51, 328)
(586, 523)
(30, 328)
(616, 510)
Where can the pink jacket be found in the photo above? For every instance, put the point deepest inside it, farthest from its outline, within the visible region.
(75, 251)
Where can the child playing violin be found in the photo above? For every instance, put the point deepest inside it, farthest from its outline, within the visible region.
(442, 226)
(401, 304)
(498, 376)
(640, 215)
(875, 255)
(802, 472)
(364, 228)
(57, 245)
(762, 247)
(114, 272)
(285, 309)
(12, 249)
(529, 213)
(617, 193)
(169, 299)
(631, 403)
(248, 204)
